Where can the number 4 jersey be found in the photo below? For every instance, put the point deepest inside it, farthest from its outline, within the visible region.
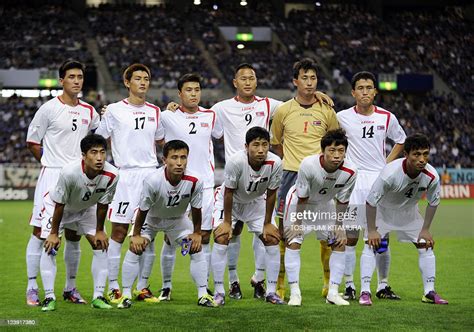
(367, 136)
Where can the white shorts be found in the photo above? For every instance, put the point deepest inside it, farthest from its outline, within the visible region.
(320, 221)
(175, 229)
(46, 181)
(407, 223)
(83, 222)
(252, 214)
(358, 199)
(123, 208)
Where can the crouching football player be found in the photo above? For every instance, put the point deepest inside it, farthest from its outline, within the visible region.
(79, 202)
(392, 205)
(163, 207)
(250, 174)
(310, 206)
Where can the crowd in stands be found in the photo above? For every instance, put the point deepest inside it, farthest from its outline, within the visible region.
(41, 37)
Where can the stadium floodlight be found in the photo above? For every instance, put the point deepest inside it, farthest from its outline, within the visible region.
(243, 3)
(215, 7)
(240, 46)
(197, 2)
(318, 4)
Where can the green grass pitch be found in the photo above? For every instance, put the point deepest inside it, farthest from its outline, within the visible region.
(453, 231)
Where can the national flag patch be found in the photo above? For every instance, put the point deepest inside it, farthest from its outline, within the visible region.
(151, 119)
(260, 113)
(204, 125)
(85, 121)
(317, 123)
(382, 127)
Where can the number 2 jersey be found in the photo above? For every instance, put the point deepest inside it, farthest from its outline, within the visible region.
(248, 184)
(164, 201)
(367, 136)
(60, 129)
(133, 130)
(78, 192)
(196, 130)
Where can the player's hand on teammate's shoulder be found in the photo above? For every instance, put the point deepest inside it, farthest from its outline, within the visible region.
(137, 244)
(172, 106)
(224, 230)
(52, 242)
(195, 242)
(324, 98)
(101, 241)
(426, 238)
(270, 230)
(374, 239)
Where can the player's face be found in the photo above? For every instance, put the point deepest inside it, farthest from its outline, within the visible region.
(417, 159)
(190, 95)
(245, 82)
(139, 83)
(176, 161)
(364, 92)
(258, 150)
(94, 159)
(334, 155)
(72, 81)
(306, 82)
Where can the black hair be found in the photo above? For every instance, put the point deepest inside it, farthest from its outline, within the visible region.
(128, 72)
(416, 142)
(91, 141)
(188, 78)
(336, 136)
(70, 64)
(175, 144)
(243, 66)
(305, 64)
(363, 75)
(256, 132)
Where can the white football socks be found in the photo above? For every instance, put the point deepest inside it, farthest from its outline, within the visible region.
(33, 257)
(168, 258)
(233, 251)
(427, 265)
(383, 268)
(146, 266)
(99, 272)
(218, 262)
(48, 274)
(336, 266)
(350, 262)
(130, 269)
(367, 267)
(199, 273)
(72, 256)
(259, 255)
(292, 266)
(113, 261)
(272, 265)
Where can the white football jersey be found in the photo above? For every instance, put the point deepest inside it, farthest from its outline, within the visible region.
(167, 201)
(320, 186)
(133, 131)
(237, 117)
(251, 185)
(78, 192)
(394, 189)
(196, 130)
(60, 129)
(367, 136)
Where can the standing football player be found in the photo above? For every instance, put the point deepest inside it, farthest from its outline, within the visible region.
(392, 205)
(367, 127)
(53, 138)
(79, 202)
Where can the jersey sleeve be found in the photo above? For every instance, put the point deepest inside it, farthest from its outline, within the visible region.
(148, 196)
(60, 193)
(433, 194)
(196, 197)
(332, 119)
(277, 127)
(395, 131)
(217, 130)
(109, 192)
(344, 195)
(95, 121)
(378, 190)
(160, 131)
(276, 176)
(231, 174)
(303, 181)
(38, 126)
(106, 125)
(273, 106)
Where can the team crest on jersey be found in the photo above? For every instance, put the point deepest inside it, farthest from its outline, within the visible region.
(260, 113)
(204, 125)
(151, 119)
(382, 127)
(85, 121)
(317, 123)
